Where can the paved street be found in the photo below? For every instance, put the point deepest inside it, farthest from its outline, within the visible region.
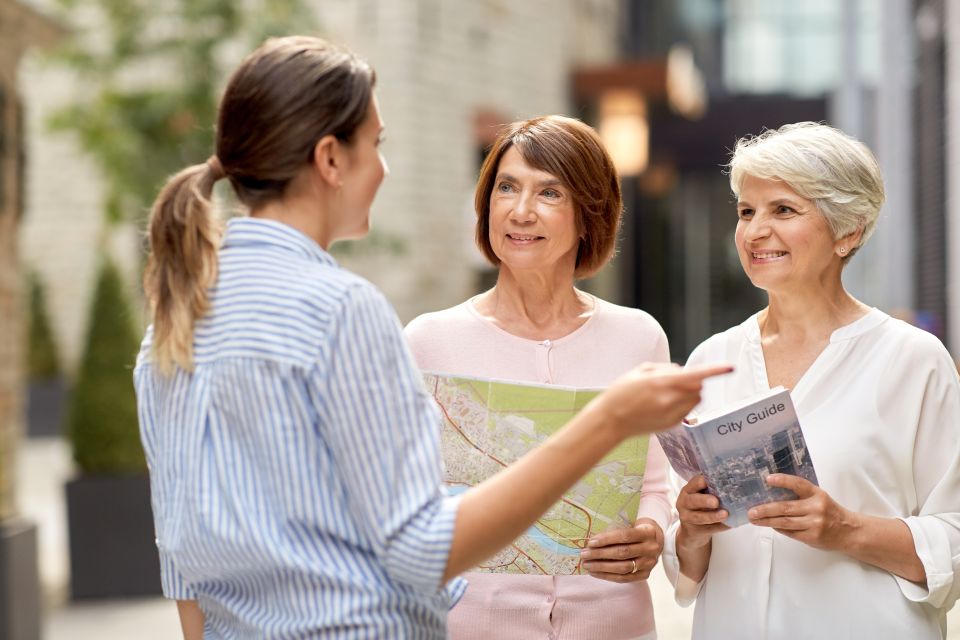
(45, 465)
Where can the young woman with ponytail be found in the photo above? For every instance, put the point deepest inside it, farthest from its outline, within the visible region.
(293, 451)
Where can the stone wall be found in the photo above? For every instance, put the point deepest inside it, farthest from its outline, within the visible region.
(64, 218)
(438, 64)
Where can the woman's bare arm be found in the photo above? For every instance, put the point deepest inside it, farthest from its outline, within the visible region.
(191, 619)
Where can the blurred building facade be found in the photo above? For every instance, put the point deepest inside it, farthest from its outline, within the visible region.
(11, 289)
(64, 222)
(951, 56)
(20, 29)
(877, 70)
(447, 74)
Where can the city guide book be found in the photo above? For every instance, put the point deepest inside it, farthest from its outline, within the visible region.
(488, 424)
(738, 447)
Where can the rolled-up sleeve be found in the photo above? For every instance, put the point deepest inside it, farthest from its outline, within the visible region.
(172, 583)
(936, 463)
(685, 590)
(654, 497)
(383, 432)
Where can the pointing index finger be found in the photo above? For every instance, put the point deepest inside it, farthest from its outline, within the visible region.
(699, 372)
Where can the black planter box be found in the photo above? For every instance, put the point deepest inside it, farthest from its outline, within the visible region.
(19, 581)
(112, 548)
(46, 400)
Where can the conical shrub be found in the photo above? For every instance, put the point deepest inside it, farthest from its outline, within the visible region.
(42, 360)
(102, 420)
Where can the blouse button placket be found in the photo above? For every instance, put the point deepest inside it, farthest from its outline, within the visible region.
(543, 361)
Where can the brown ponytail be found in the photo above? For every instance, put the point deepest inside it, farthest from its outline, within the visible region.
(184, 239)
(281, 100)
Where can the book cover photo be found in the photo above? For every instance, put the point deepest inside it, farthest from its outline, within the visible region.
(738, 447)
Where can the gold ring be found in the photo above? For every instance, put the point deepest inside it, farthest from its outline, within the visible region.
(634, 561)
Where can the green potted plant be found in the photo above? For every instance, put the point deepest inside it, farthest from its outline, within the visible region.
(46, 391)
(112, 550)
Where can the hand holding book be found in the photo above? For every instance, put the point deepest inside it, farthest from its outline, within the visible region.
(813, 518)
(700, 514)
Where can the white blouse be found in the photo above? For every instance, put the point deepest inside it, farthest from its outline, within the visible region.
(880, 410)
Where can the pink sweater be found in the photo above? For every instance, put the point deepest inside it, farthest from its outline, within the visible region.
(611, 341)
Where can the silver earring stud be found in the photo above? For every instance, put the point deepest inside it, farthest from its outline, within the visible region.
(843, 250)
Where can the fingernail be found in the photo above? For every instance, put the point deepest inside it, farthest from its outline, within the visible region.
(593, 544)
(752, 513)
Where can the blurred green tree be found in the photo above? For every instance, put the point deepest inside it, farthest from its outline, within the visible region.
(152, 70)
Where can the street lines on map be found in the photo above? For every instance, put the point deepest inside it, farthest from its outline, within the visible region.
(459, 429)
(575, 542)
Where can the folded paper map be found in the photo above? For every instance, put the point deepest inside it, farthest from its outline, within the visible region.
(488, 424)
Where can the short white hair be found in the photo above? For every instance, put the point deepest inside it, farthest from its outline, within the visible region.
(836, 171)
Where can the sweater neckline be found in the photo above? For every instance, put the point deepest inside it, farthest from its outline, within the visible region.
(597, 309)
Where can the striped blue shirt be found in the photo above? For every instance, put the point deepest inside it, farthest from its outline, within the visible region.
(296, 473)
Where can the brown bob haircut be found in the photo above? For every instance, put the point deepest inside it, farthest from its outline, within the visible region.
(571, 151)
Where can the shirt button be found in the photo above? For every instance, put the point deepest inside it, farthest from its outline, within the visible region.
(546, 343)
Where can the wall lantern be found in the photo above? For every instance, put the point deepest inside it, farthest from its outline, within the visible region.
(624, 129)
(686, 90)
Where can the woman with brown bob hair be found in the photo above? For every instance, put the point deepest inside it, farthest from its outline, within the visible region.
(548, 210)
(571, 151)
(293, 451)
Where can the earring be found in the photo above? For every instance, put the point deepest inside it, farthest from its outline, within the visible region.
(843, 250)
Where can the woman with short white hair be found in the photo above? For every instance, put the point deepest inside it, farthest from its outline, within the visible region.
(874, 551)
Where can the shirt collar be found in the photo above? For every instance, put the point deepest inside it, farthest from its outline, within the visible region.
(873, 318)
(244, 231)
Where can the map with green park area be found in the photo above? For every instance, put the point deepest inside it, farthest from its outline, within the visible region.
(488, 424)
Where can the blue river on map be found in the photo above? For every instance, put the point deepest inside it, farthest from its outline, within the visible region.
(541, 538)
